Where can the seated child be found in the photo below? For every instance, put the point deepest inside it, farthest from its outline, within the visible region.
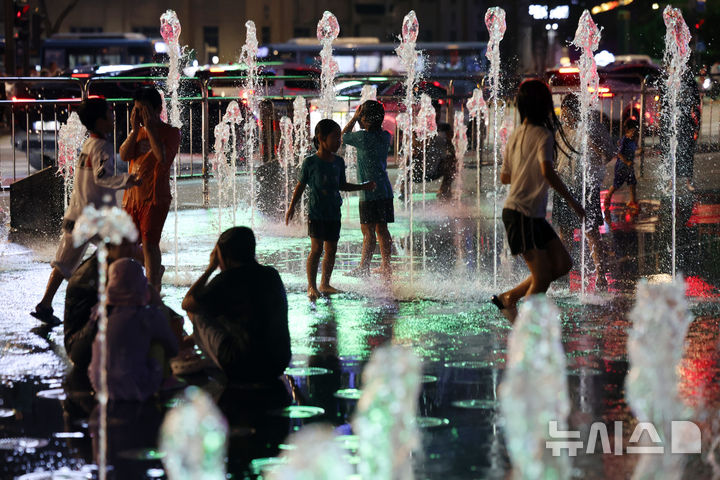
(139, 337)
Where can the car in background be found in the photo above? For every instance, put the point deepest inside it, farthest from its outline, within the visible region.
(621, 89)
(390, 92)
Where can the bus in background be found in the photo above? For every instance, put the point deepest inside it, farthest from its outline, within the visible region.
(70, 50)
(368, 55)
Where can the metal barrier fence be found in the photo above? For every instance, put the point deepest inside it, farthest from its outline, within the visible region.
(38, 107)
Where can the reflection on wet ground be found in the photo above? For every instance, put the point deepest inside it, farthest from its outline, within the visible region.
(48, 418)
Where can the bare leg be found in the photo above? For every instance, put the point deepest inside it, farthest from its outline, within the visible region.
(385, 247)
(327, 268)
(597, 250)
(368, 247)
(632, 193)
(153, 261)
(608, 202)
(54, 282)
(545, 267)
(316, 249)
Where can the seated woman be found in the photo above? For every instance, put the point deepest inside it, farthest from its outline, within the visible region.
(139, 337)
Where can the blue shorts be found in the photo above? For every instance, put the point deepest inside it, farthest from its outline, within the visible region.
(624, 174)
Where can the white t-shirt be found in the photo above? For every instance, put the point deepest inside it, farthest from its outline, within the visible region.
(527, 148)
(94, 181)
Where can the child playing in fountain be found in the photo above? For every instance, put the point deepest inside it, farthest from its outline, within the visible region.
(324, 175)
(150, 149)
(376, 206)
(529, 168)
(94, 184)
(624, 169)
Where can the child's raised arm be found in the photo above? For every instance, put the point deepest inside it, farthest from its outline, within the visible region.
(297, 195)
(351, 124)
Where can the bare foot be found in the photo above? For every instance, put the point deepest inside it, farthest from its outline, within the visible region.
(328, 289)
(313, 294)
(359, 272)
(384, 270)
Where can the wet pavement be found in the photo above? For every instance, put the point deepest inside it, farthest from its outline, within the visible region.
(437, 305)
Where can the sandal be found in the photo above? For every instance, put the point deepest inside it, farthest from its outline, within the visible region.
(45, 315)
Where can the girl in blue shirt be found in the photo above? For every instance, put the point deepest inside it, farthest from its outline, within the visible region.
(323, 173)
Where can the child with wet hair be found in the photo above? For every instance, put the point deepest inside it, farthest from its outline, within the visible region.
(376, 206)
(323, 173)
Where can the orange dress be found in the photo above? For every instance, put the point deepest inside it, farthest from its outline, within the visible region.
(149, 202)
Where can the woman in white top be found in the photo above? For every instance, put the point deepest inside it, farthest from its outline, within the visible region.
(529, 168)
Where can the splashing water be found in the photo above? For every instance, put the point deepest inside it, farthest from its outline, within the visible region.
(477, 110)
(111, 225)
(368, 92)
(287, 154)
(534, 391)
(220, 164)
(385, 420)
(248, 57)
(655, 348)
(677, 54)
(425, 128)
(328, 30)
(300, 129)
(495, 22)
(193, 437)
(408, 58)
(460, 142)
(587, 39)
(71, 137)
(317, 456)
(233, 118)
(170, 31)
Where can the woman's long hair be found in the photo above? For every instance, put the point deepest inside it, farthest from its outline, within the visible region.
(535, 103)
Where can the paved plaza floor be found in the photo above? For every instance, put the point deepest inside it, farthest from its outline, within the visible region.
(437, 304)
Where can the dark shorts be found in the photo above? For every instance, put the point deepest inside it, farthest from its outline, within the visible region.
(624, 174)
(325, 230)
(377, 211)
(565, 217)
(526, 233)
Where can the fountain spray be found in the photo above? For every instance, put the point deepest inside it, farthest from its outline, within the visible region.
(170, 31)
(328, 30)
(251, 85)
(193, 437)
(71, 137)
(233, 118)
(408, 58)
(587, 39)
(425, 128)
(655, 348)
(534, 393)
(677, 54)
(111, 225)
(460, 142)
(495, 22)
(478, 110)
(317, 455)
(385, 420)
(220, 164)
(287, 154)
